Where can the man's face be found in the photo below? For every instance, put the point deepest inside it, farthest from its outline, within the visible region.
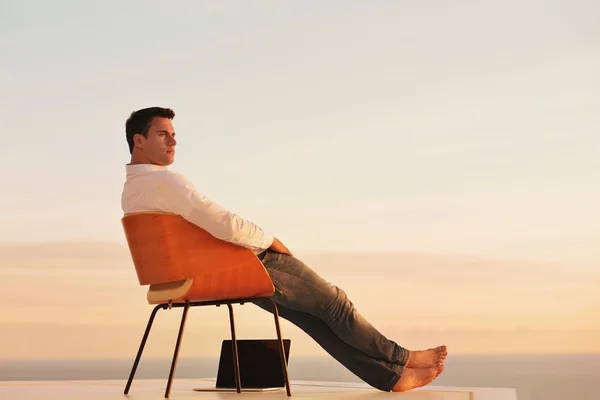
(159, 147)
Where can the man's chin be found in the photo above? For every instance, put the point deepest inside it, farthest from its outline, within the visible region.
(165, 162)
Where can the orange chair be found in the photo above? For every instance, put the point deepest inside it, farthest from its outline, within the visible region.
(186, 266)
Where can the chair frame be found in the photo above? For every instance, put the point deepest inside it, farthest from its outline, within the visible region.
(186, 306)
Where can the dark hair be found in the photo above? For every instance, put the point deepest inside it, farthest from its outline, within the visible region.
(139, 122)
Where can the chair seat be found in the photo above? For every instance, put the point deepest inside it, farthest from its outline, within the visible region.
(163, 292)
(228, 285)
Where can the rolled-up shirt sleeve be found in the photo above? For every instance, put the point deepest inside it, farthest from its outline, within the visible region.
(179, 196)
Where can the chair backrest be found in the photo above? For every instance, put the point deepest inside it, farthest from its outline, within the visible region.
(168, 248)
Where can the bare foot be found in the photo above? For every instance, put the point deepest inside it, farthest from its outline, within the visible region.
(416, 377)
(427, 358)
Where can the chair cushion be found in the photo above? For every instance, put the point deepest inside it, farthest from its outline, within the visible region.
(163, 292)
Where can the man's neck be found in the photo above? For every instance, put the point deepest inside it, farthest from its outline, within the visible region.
(138, 160)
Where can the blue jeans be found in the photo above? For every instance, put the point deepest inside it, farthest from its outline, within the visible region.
(325, 313)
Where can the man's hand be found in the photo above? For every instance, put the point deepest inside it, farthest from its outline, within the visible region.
(279, 247)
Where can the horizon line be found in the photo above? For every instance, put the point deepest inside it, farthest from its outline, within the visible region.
(365, 251)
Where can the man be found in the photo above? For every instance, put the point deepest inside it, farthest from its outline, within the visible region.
(304, 298)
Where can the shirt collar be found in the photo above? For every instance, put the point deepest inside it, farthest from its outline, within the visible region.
(132, 169)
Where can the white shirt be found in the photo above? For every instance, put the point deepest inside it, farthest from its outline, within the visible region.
(150, 187)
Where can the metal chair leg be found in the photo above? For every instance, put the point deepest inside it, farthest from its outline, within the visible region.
(141, 348)
(236, 361)
(281, 348)
(177, 345)
(186, 308)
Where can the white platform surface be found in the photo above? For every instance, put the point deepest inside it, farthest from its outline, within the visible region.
(153, 389)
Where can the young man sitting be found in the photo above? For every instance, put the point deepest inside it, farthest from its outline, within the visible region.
(320, 309)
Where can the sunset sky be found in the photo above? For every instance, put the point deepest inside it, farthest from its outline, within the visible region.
(435, 131)
(390, 126)
(75, 301)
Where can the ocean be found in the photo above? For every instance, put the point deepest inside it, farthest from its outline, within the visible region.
(536, 377)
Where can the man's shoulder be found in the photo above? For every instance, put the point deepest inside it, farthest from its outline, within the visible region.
(171, 176)
(174, 181)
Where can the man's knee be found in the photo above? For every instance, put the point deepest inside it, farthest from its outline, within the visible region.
(339, 307)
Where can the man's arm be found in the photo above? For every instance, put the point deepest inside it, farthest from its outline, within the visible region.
(179, 196)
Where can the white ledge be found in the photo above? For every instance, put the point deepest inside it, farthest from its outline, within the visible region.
(153, 389)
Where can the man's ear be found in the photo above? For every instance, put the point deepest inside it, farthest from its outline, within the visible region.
(138, 140)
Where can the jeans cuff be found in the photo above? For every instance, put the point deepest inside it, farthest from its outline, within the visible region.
(404, 354)
(398, 369)
(401, 354)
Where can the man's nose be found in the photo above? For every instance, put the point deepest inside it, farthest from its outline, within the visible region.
(172, 141)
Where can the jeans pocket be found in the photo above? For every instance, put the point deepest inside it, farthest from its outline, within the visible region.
(279, 291)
